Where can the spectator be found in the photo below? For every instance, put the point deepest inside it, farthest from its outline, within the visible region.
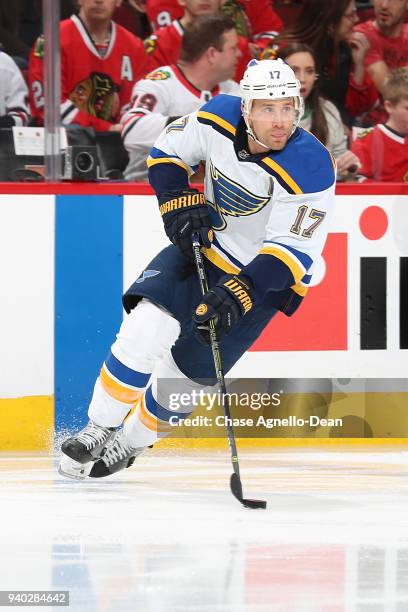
(327, 27)
(383, 150)
(10, 16)
(13, 94)
(165, 44)
(100, 62)
(208, 59)
(387, 37)
(321, 116)
(253, 18)
(131, 14)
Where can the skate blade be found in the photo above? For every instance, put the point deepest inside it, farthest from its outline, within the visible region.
(73, 469)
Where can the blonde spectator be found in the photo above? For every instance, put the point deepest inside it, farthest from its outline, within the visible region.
(383, 150)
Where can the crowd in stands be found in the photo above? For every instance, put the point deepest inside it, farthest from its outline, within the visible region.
(133, 67)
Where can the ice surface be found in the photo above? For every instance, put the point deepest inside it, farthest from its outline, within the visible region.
(167, 535)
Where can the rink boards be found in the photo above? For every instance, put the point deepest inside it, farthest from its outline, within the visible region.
(66, 259)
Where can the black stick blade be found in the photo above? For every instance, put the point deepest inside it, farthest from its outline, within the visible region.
(254, 503)
(236, 489)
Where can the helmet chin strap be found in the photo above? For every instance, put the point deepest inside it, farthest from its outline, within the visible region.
(251, 133)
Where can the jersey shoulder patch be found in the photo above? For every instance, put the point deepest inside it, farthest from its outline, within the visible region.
(222, 113)
(158, 75)
(150, 44)
(39, 47)
(365, 132)
(303, 166)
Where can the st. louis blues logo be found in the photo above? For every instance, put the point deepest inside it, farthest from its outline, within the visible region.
(231, 199)
(147, 274)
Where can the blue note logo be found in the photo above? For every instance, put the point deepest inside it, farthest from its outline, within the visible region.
(147, 274)
(231, 199)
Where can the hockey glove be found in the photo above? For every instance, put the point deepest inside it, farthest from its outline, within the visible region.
(227, 302)
(183, 214)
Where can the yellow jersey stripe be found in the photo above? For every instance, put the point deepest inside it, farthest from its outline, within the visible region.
(168, 160)
(283, 174)
(293, 266)
(300, 289)
(220, 262)
(221, 122)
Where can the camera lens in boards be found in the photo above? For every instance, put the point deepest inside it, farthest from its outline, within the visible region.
(84, 162)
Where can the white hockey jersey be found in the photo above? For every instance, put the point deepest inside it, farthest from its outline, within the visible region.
(270, 211)
(13, 93)
(162, 94)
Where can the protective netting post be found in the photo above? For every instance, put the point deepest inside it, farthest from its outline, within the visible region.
(52, 89)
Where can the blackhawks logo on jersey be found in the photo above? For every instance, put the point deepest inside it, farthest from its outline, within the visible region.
(231, 199)
(158, 75)
(97, 95)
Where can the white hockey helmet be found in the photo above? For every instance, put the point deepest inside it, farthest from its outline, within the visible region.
(269, 80)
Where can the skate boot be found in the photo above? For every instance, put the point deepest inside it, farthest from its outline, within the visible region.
(81, 450)
(118, 455)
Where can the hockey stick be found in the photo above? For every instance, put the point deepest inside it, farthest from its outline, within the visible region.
(235, 480)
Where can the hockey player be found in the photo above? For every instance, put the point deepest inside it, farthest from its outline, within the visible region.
(262, 222)
(100, 63)
(383, 150)
(208, 58)
(13, 94)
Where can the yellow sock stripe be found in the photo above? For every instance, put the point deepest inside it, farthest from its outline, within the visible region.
(135, 405)
(116, 390)
(168, 160)
(146, 418)
(283, 174)
(293, 266)
(149, 420)
(215, 119)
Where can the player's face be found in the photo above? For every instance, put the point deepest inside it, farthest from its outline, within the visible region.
(389, 13)
(398, 114)
(226, 60)
(272, 122)
(304, 67)
(201, 7)
(347, 22)
(98, 10)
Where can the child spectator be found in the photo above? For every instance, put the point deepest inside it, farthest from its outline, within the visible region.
(100, 62)
(321, 116)
(327, 27)
(383, 150)
(13, 94)
(204, 69)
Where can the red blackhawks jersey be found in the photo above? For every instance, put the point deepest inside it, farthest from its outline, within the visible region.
(94, 89)
(383, 154)
(164, 47)
(254, 18)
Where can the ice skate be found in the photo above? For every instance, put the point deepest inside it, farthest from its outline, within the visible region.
(118, 455)
(81, 450)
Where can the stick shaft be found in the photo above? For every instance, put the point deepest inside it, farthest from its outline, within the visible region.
(217, 358)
